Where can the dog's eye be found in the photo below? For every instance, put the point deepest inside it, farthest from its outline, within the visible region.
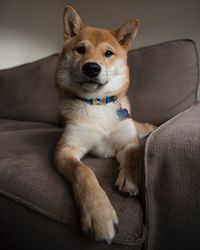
(81, 50)
(108, 53)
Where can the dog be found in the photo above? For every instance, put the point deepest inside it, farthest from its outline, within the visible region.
(93, 79)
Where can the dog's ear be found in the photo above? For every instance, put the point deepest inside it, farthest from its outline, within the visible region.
(72, 22)
(127, 32)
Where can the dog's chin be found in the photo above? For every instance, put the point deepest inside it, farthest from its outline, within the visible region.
(90, 85)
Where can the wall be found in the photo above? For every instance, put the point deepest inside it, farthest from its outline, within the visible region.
(31, 29)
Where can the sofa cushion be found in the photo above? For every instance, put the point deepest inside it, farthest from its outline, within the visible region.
(28, 92)
(164, 80)
(172, 182)
(28, 176)
(24, 229)
(10, 125)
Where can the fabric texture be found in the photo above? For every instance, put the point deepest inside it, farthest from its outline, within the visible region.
(23, 229)
(164, 80)
(28, 176)
(172, 174)
(28, 92)
(14, 125)
(36, 203)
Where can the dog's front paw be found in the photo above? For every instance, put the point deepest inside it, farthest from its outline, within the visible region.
(126, 183)
(99, 218)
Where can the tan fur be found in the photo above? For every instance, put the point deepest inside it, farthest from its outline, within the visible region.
(144, 129)
(96, 129)
(128, 172)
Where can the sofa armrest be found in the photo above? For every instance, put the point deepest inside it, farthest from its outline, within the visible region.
(172, 183)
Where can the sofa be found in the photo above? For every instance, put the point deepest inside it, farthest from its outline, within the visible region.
(37, 208)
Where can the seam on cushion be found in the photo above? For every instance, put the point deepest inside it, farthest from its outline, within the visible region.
(31, 129)
(40, 125)
(198, 69)
(157, 132)
(35, 208)
(150, 140)
(137, 241)
(62, 220)
(58, 124)
(21, 130)
(24, 121)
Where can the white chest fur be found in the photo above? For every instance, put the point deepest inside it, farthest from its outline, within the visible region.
(98, 129)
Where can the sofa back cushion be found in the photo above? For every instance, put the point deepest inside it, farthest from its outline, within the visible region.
(164, 81)
(28, 92)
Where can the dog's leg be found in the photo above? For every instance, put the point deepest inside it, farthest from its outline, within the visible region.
(127, 181)
(98, 217)
(143, 129)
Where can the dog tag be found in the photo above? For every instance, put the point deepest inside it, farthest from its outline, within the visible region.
(123, 114)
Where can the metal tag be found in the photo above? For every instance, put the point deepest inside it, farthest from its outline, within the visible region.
(123, 114)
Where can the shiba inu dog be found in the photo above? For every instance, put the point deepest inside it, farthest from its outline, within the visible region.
(93, 78)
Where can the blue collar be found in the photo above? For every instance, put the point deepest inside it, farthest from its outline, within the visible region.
(98, 101)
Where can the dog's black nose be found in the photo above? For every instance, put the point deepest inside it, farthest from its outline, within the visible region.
(91, 69)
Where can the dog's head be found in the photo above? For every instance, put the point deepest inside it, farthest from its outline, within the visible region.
(93, 61)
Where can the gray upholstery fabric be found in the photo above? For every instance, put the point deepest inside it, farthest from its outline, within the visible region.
(164, 80)
(172, 174)
(13, 125)
(36, 204)
(29, 230)
(28, 92)
(28, 176)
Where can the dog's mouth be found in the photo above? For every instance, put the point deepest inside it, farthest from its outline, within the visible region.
(91, 84)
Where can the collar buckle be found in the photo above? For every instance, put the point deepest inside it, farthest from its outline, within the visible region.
(98, 101)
